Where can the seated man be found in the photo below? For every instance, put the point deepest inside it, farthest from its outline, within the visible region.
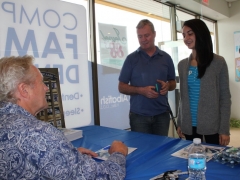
(33, 149)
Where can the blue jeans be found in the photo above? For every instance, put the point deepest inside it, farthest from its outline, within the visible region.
(158, 124)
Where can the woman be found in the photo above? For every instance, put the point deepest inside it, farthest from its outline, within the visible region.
(204, 88)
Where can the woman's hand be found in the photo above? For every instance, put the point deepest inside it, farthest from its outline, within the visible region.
(224, 139)
(180, 134)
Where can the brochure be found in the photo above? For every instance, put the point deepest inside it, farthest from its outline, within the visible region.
(209, 151)
(103, 153)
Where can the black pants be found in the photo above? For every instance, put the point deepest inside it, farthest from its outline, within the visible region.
(211, 139)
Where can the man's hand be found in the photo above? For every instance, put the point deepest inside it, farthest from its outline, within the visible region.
(224, 139)
(87, 151)
(118, 146)
(148, 91)
(164, 87)
(167, 86)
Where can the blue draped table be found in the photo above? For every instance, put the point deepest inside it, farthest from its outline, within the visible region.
(153, 154)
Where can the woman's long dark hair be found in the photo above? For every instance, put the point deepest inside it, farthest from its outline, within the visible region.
(203, 44)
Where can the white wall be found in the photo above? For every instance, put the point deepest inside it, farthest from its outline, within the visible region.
(226, 28)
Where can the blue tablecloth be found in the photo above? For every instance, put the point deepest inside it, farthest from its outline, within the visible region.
(153, 154)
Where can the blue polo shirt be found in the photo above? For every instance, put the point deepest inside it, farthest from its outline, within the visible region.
(140, 70)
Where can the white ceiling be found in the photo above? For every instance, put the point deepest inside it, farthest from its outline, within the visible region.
(153, 7)
(205, 10)
(215, 9)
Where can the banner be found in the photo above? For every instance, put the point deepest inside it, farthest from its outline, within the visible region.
(55, 33)
(237, 55)
(113, 45)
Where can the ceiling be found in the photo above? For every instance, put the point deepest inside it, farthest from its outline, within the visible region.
(196, 6)
(215, 9)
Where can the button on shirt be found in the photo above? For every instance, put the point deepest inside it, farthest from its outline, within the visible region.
(140, 70)
(33, 149)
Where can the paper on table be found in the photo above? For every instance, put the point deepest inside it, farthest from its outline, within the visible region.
(209, 151)
(103, 153)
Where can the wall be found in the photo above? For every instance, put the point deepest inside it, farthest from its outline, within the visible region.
(226, 28)
(216, 9)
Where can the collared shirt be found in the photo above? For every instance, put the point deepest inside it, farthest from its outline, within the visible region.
(140, 70)
(33, 149)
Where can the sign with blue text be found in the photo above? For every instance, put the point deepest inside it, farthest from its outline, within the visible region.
(113, 45)
(55, 33)
(237, 55)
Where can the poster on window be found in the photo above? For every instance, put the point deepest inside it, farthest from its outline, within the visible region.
(237, 55)
(113, 45)
(55, 33)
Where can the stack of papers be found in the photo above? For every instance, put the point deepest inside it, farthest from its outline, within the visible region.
(72, 134)
(103, 153)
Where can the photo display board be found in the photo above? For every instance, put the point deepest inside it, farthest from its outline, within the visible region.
(54, 113)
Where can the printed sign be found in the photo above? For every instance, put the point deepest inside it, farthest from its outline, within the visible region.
(55, 33)
(113, 45)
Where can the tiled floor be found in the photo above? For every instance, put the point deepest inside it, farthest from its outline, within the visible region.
(235, 137)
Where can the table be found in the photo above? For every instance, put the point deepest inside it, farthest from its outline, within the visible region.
(153, 154)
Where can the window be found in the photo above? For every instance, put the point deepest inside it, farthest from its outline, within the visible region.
(118, 19)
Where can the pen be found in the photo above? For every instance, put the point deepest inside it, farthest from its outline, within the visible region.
(107, 147)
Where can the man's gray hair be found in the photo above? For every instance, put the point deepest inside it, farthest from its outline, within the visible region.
(145, 22)
(13, 71)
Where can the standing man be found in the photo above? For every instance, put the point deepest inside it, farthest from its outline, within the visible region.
(33, 149)
(147, 75)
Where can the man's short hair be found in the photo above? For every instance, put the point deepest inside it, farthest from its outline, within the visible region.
(145, 22)
(13, 71)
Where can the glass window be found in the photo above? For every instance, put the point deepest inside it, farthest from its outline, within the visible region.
(177, 49)
(210, 25)
(116, 36)
(114, 15)
(183, 16)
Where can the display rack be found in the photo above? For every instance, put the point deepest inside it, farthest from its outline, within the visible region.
(54, 113)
